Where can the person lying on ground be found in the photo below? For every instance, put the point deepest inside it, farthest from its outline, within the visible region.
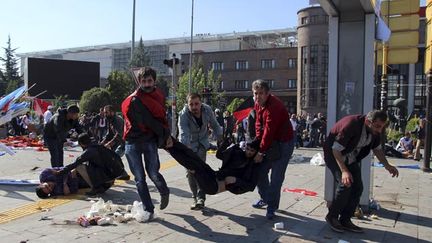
(54, 184)
(406, 146)
(103, 166)
(238, 174)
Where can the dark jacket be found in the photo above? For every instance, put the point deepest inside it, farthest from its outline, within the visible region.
(347, 132)
(115, 131)
(103, 164)
(47, 175)
(235, 163)
(58, 127)
(141, 124)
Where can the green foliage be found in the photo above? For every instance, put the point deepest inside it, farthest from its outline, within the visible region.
(120, 85)
(200, 79)
(60, 100)
(235, 103)
(393, 135)
(13, 85)
(10, 69)
(140, 57)
(412, 124)
(94, 99)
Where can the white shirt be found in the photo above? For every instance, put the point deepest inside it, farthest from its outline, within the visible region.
(47, 116)
(293, 124)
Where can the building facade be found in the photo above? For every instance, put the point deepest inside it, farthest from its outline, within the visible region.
(238, 69)
(312, 34)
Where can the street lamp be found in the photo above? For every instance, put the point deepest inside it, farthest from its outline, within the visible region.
(190, 54)
(133, 30)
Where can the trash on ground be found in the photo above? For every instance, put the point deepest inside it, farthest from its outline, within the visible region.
(374, 216)
(317, 159)
(279, 225)
(19, 182)
(301, 191)
(296, 158)
(108, 213)
(359, 213)
(45, 218)
(374, 204)
(343, 241)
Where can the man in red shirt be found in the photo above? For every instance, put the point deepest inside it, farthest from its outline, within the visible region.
(274, 130)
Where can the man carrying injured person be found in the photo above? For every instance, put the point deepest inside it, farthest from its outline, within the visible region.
(238, 174)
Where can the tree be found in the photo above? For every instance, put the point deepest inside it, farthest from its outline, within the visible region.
(140, 56)
(10, 65)
(60, 100)
(94, 99)
(200, 80)
(235, 103)
(12, 85)
(120, 85)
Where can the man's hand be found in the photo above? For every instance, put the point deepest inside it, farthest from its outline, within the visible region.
(169, 142)
(392, 170)
(108, 145)
(259, 157)
(347, 178)
(230, 180)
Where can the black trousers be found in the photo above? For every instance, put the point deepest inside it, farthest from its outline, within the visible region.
(346, 199)
(204, 174)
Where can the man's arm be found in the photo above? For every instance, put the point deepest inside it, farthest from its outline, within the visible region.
(86, 156)
(347, 178)
(383, 160)
(214, 124)
(184, 130)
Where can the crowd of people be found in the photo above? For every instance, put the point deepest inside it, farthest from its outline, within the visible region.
(255, 152)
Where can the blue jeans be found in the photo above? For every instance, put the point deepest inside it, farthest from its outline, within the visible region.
(270, 190)
(55, 148)
(134, 153)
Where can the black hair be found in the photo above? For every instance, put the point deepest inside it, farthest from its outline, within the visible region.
(40, 193)
(254, 144)
(192, 96)
(73, 109)
(145, 72)
(377, 115)
(84, 139)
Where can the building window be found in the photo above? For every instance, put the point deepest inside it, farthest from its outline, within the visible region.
(242, 84)
(292, 63)
(292, 83)
(242, 65)
(267, 63)
(304, 20)
(270, 82)
(217, 66)
(314, 19)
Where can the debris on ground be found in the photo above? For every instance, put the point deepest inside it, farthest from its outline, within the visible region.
(374, 205)
(301, 191)
(297, 158)
(317, 159)
(106, 213)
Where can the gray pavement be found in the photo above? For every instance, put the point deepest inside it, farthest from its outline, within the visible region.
(405, 214)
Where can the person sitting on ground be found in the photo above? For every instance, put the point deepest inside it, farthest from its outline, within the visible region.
(239, 173)
(104, 165)
(406, 145)
(53, 184)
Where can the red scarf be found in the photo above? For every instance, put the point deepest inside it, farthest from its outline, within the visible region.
(154, 102)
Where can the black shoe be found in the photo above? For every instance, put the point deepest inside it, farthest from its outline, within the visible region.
(95, 191)
(198, 205)
(124, 176)
(335, 225)
(348, 225)
(164, 201)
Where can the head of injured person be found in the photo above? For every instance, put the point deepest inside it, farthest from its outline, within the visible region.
(45, 189)
(252, 148)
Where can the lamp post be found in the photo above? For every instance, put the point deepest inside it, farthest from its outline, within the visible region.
(133, 30)
(191, 50)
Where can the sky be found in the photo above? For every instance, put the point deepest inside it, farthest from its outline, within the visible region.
(36, 25)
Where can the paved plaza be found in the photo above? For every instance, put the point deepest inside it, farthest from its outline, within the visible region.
(405, 213)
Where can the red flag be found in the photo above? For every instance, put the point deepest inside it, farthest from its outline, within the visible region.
(40, 106)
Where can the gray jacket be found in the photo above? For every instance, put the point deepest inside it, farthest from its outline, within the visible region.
(191, 134)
